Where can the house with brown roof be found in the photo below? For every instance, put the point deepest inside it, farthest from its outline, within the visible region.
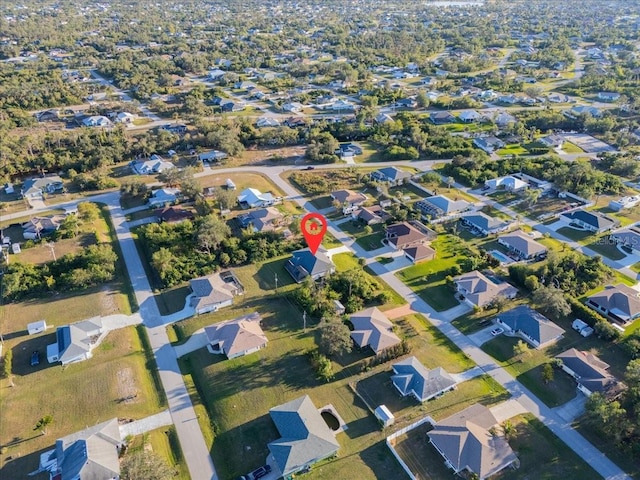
(213, 292)
(349, 200)
(522, 245)
(620, 303)
(590, 372)
(411, 240)
(262, 220)
(466, 443)
(238, 337)
(479, 290)
(174, 214)
(372, 328)
(370, 215)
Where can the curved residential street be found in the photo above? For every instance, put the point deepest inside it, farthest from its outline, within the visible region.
(195, 450)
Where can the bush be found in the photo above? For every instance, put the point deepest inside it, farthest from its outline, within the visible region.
(322, 366)
(600, 325)
(7, 364)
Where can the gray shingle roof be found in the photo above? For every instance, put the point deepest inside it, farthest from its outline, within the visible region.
(372, 328)
(531, 323)
(413, 377)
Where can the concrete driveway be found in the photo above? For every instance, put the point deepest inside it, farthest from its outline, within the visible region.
(195, 342)
(573, 408)
(482, 336)
(505, 410)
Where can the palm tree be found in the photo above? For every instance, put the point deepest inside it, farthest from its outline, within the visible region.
(43, 423)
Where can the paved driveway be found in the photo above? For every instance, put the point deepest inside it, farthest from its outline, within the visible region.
(505, 410)
(573, 408)
(482, 336)
(196, 341)
(146, 424)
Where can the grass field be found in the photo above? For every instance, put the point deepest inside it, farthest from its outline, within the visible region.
(77, 395)
(420, 456)
(242, 181)
(568, 147)
(164, 443)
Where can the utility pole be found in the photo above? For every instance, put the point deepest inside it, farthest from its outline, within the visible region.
(304, 321)
(275, 277)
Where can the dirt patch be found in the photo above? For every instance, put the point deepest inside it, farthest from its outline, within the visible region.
(108, 300)
(127, 390)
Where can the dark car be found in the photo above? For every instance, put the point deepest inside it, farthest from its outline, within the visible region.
(310, 168)
(260, 472)
(35, 358)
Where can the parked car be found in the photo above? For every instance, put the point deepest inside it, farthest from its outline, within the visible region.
(260, 472)
(35, 358)
(497, 331)
(310, 168)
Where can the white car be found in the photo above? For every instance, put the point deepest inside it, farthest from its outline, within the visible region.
(497, 331)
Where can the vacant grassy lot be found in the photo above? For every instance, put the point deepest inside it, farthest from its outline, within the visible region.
(428, 279)
(580, 236)
(164, 443)
(542, 455)
(513, 149)
(242, 181)
(77, 395)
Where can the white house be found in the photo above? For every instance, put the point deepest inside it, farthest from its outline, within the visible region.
(163, 197)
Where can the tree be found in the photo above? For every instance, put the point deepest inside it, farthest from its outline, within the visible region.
(531, 196)
(450, 182)
(211, 232)
(509, 430)
(521, 350)
(43, 423)
(547, 373)
(552, 301)
(335, 338)
(499, 303)
(88, 212)
(7, 365)
(226, 198)
(147, 465)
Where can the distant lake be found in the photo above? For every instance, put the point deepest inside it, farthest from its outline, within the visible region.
(455, 3)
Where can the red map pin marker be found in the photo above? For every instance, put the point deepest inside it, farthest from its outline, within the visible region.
(313, 227)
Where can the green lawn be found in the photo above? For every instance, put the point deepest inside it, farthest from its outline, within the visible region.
(164, 443)
(345, 261)
(428, 279)
(528, 370)
(568, 147)
(371, 242)
(580, 236)
(420, 456)
(606, 248)
(494, 212)
(513, 149)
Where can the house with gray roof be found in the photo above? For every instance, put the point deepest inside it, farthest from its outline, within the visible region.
(213, 292)
(238, 337)
(479, 290)
(90, 454)
(484, 224)
(74, 342)
(372, 328)
(590, 372)
(620, 303)
(533, 327)
(35, 188)
(441, 118)
(412, 378)
(155, 164)
(252, 198)
(391, 175)
(349, 200)
(465, 442)
(305, 437)
(489, 144)
(305, 264)
(591, 221)
(508, 182)
(628, 238)
(36, 227)
(441, 206)
(522, 245)
(163, 197)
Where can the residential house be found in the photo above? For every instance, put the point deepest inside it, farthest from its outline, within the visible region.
(522, 245)
(252, 198)
(213, 292)
(478, 290)
(155, 164)
(305, 264)
(92, 453)
(263, 219)
(244, 85)
(342, 105)
(48, 116)
(292, 107)
(428, 81)
(489, 144)
(232, 106)
(125, 117)
(552, 141)
(531, 326)
(590, 372)
(624, 203)
(391, 175)
(441, 118)
(293, 122)
(177, 128)
(467, 442)
(96, 121)
(483, 223)
(628, 238)
(591, 221)
(35, 188)
(440, 206)
(263, 122)
(74, 342)
(620, 303)
(509, 183)
(469, 116)
(236, 338)
(36, 227)
(216, 74)
(411, 240)
(349, 149)
(503, 119)
(370, 215)
(212, 156)
(406, 103)
(558, 98)
(349, 200)
(608, 96)
(163, 197)
(583, 110)
(412, 378)
(174, 215)
(372, 328)
(305, 437)
(383, 118)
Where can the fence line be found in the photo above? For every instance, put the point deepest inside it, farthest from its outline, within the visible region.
(402, 431)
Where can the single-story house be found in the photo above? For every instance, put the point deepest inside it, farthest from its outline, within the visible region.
(348, 150)
(262, 219)
(349, 200)
(39, 226)
(624, 202)
(552, 141)
(292, 107)
(163, 197)
(466, 442)
(372, 328)
(51, 115)
(533, 327)
(382, 118)
(419, 253)
(92, 453)
(406, 103)
(177, 128)
(583, 110)
(620, 303)
(391, 175)
(591, 220)
(478, 290)
(412, 378)
(212, 156)
(341, 105)
(238, 337)
(522, 244)
(370, 215)
(125, 117)
(503, 119)
(305, 437)
(441, 206)
(413, 242)
(252, 198)
(305, 264)
(469, 116)
(441, 118)
(232, 106)
(155, 164)
(213, 292)
(590, 372)
(263, 122)
(508, 182)
(174, 215)
(628, 237)
(34, 188)
(488, 144)
(608, 96)
(74, 342)
(96, 121)
(483, 223)
(216, 74)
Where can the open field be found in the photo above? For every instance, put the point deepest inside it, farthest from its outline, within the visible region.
(77, 395)
(242, 181)
(420, 456)
(164, 443)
